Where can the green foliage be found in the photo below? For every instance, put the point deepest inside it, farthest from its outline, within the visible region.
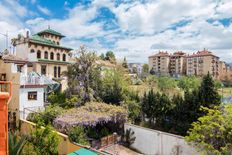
(128, 137)
(213, 132)
(152, 80)
(145, 71)
(208, 94)
(165, 83)
(155, 106)
(134, 110)
(113, 86)
(77, 135)
(44, 140)
(110, 57)
(47, 116)
(80, 76)
(188, 83)
(60, 99)
(16, 144)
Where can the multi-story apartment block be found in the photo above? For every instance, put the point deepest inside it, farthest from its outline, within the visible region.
(177, 64)
(201, 63)
(159, 63)
(225, 71)
(44, 53)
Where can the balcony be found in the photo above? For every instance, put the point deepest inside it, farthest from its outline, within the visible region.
(30, 80)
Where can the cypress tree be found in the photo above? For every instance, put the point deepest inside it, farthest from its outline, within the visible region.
(208, 94)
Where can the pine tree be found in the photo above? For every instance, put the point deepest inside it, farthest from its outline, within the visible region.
(208, 94)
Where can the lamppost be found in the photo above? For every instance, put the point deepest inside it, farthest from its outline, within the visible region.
(6, 36)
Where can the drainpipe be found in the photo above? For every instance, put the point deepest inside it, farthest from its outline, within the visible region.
(5, 98)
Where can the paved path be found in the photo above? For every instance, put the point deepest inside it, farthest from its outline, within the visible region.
(119, 150)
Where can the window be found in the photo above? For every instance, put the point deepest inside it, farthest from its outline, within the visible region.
(59, 71)
(43, 69)
(58, 43)
(45, 55)
(64, 57)
(32, 95)
(55, 71)
(32, 51)
(38, 54)
(51, 55)
(58, 56)
(19, 68)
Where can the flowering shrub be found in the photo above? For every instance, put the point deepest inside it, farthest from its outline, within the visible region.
(90, 115)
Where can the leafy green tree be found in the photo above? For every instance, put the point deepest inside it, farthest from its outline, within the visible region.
(145, 71)
(16, 144)
(114, 86)
(44, 140)
(188, 83)
(212, 132)
(102, 56)
(124, 63)
(208, 94)
(110, 57)
(165, 83)
(77, 135)
(145, 68)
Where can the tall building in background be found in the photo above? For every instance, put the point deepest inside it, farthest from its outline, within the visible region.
(202, 62)
(177, 64)
(44, 53)
(225, 72)
(159, 63)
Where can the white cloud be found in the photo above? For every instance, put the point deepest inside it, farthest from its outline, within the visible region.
(44, 10)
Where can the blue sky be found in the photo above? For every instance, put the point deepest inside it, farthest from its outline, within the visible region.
(131, 28)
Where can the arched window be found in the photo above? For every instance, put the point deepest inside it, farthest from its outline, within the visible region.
(64, 57)
(32, 51)
(58, 56)
(38, 54)
(55, 71)
(51, 55)
(59, 71)
(45, 55)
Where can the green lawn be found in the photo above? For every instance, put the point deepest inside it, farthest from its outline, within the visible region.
(225, 91)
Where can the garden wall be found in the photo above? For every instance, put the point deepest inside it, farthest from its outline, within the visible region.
(65, 146)
(153, 142)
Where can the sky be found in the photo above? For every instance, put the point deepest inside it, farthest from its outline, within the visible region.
(133, 29)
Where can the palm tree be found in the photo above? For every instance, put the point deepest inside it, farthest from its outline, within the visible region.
(16, 145)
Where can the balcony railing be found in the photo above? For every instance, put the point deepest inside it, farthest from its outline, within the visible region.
(30, 80)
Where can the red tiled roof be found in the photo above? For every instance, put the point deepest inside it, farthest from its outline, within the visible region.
(160, 54)
(179, 53)
(202, 53)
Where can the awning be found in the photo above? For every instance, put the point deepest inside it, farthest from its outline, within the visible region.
(84, 151)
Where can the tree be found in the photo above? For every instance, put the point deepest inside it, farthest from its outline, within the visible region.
(16, 145)
(124, 63)
(165, 83)
(145, 68)
(102, 56)
(44, 140)
(188, 83)
(212, 132)
(77, 135)
(110, 57)
(208, 94)
(114, 86)
(81, 75)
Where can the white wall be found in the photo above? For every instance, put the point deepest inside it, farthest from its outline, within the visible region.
(153, 142)
(30, 104)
